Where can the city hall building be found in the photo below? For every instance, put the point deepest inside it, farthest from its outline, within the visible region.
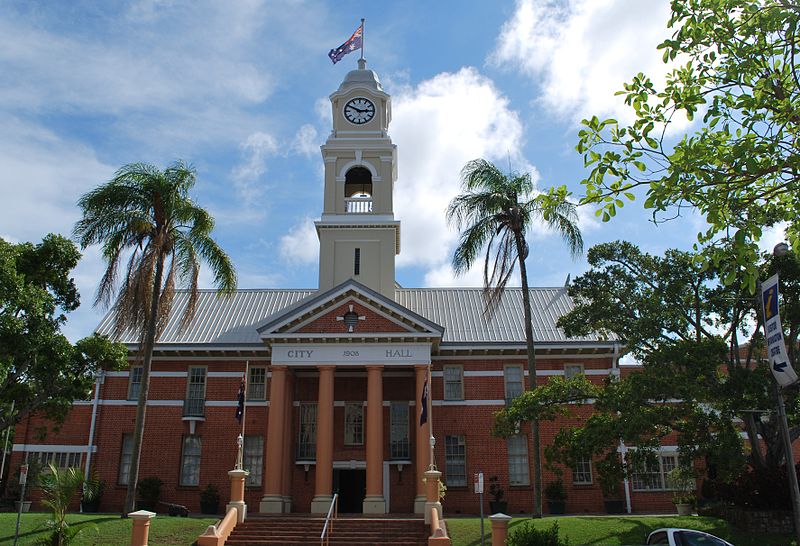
(336, 374)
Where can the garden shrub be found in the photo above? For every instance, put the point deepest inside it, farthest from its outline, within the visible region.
(528, 535)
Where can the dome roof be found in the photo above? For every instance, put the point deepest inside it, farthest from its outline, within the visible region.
(361, 77)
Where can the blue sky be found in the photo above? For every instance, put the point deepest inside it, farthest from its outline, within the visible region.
(239, 90)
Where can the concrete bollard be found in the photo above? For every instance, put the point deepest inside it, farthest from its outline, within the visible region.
(499, 528)
(237, 493)
(141, 527)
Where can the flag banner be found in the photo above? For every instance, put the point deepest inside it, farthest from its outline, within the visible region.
(776, 347)
(423, 417)
(353, 43)
(240, 399)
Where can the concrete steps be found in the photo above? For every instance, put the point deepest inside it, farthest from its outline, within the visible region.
(352, 531)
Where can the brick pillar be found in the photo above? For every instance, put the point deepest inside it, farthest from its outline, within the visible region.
(272, 501)
(288, 434)
(374, 503)
(323, 482)
(141, 527)
(422, 443)
(499, 529)
(237, 478)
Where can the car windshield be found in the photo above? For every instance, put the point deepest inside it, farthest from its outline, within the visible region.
(693, 538)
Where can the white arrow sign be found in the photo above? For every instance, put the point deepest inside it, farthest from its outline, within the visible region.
(776, 347)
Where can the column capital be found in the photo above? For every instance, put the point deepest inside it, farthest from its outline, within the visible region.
(374, 367)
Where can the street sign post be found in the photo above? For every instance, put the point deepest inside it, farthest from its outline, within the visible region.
(478, 483)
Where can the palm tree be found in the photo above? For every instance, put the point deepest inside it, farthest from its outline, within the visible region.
(495, 211)
(146, 215)
(58, 487)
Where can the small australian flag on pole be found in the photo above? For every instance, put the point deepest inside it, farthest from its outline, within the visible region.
(352, 43)
(423, 417)
(240, 405)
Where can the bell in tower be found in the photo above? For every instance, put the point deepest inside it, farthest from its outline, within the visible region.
(359, 237)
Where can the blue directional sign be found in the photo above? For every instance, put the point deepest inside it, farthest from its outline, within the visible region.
(776, 347)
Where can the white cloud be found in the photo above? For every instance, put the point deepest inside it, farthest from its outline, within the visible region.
(301, 244)
(306, 141)
(772, 236)
(247, 175)
(582, 51)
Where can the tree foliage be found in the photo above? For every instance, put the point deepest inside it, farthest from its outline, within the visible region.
(737, 67)
(40, 370)
(145, 215)
(495, 212)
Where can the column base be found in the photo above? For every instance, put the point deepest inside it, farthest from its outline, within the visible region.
(271, 504)
(287, 505)
(419, 504)
(374, 505)
(321, 504)
(428, 507)
(241, 508)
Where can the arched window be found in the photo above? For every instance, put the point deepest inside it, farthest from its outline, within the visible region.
(358, 190)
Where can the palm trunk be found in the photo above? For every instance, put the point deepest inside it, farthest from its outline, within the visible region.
(141, 405)
(535, 440)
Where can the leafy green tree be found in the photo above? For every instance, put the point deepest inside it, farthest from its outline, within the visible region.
(59, 486)
(40, 370)
(738, 168)
(146, 216)
(697, 380)
(495, 212)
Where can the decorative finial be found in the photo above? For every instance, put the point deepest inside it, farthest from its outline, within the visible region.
(362, 64)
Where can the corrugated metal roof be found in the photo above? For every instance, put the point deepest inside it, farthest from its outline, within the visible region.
(234, 320)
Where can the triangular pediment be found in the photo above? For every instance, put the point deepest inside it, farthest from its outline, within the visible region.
(352, 312)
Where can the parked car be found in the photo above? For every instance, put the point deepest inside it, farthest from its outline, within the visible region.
(684, 537)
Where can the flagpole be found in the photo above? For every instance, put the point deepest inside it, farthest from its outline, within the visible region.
(362, 38)
(431, 439)
(246, 381)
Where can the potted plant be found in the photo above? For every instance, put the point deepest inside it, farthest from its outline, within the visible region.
(682, 481)
(209, 500)
(149, 490)
(556, 496)
(609, 474)
(92, 493)
(497, 505)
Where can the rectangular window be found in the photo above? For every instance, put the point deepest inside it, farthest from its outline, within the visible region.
(571, 370)
(354, 424)
(190, 461)
(518, 460)
(453, 383)
(654, 474)
(254, 459)
(134, 382)
(357, 262)
(514, 382)
(125, 459)
(194, 405)
(582, 472)
(56, 458)
(455, 452)
(257, 383)
(307, 440)
(398, 416)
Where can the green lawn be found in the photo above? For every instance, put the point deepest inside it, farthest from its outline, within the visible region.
(111, 530)
(614, 530)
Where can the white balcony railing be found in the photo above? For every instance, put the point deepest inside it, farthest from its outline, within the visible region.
(358, 205)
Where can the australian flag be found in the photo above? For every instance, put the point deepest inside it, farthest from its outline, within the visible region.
(240, 405)
(423, 417)
(353, 43)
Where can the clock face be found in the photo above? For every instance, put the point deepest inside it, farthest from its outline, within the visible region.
(359, 110)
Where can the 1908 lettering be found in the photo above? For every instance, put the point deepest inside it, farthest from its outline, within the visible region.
(350, 353)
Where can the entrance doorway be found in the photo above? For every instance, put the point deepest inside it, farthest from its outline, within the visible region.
(352, 488)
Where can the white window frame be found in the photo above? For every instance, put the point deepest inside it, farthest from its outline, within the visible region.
(582, 472)
(509, 393)
(190, 460)
(652, 479)
(133, 372)
(518, 468)
(59, 459)
(454, 382)
(125, 459)
(254, 386)
(353, 424)
(253, 459)
(195, 391)
(571, 370)
(455, 449)
(399, 443)
(307, 432)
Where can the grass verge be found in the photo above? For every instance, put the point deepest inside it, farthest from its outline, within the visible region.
(614, 530)
(106, 529)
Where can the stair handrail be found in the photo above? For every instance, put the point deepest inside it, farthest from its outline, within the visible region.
(324, 537)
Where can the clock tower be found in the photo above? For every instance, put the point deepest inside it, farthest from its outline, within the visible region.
(358, 235)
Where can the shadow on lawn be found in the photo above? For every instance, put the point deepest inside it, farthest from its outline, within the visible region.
(86, 524)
